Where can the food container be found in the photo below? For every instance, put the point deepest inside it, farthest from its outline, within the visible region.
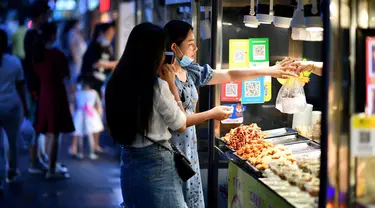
(316, 118)
(314, 170)
(312, 187)
(284, 171)
(290, 139)
(302, 179)
(279, 132)
(292, 177)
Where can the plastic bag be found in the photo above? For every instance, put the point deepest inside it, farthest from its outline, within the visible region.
(291, 97)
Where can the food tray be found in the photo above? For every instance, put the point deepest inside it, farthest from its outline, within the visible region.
(257, 172)
(221, 140)
(287, 140)
(279, 132)
(241, 158)
(303, 147)
(230, 148)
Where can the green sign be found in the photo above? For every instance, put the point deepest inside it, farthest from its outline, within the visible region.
(244, 191)
(259, 50)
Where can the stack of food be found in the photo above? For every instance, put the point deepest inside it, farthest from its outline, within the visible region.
(242, 135)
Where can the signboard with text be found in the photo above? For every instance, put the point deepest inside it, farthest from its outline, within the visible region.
(246, 191)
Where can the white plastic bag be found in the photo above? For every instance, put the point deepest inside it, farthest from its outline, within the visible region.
(291, 97)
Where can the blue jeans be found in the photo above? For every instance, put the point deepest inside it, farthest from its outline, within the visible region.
(149, 179)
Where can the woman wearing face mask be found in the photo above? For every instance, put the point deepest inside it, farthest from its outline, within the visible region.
(189, 77)
(99, 60)
(98, 63)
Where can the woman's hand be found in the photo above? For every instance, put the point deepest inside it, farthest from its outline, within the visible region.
(301, 66)
(282, 70)
(220, 112)
(167, 74)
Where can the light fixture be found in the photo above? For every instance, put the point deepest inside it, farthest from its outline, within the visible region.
(313, 21)
(265, 12)
(283, 15)
(298, 16)
(250, 20)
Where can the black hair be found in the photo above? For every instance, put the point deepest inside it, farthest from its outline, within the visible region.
(96, 32)
(101, 28)
(48, 31)
(68, 26)
(86, 81)
(39, 7)
(130, 90)
(176, 32)
(104, 27)
(3, 44)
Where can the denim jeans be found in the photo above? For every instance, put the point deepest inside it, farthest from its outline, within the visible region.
(149, 179)
(10, 121)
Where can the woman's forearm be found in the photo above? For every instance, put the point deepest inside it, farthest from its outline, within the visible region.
(318, 68)
(198, 118)
(228, 75)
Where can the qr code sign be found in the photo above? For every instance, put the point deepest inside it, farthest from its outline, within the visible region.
(266, 90)
(239, 56)
(364, 137)
(252, 89)
(231, 90)
(259, 52)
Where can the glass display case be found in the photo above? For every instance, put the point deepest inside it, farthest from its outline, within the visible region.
(283, 163)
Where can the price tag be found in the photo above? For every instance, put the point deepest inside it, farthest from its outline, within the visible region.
(362, 135)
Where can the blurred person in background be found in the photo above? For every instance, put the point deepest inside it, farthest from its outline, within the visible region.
(74, 46)
(87, 117)
(99, 61)
(39, 12)
(13, 107)
(53, 115)
(18, 39)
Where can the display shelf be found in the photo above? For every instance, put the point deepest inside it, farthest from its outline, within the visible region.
(264, 194)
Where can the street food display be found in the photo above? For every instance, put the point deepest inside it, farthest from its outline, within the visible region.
(288, 163)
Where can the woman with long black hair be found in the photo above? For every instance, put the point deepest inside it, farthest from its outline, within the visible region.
(13, 106)
(136, 93)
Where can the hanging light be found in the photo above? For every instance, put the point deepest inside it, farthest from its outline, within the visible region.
(298, 17)
(250, 20)
(283, 15)
(313, 21)
(265, 12)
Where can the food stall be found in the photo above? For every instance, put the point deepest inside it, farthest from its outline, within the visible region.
(299, 158)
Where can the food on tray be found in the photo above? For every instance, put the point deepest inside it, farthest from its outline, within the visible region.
(253, 149)
(242, 135)
(312, 187)
(292, 177)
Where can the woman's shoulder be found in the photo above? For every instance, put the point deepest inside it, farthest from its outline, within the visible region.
(11, 59)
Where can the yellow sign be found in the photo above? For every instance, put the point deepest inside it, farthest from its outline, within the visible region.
(362, 135)
(238, 53)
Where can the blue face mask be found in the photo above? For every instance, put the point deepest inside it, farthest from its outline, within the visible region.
(103, 41)
(185, 61)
